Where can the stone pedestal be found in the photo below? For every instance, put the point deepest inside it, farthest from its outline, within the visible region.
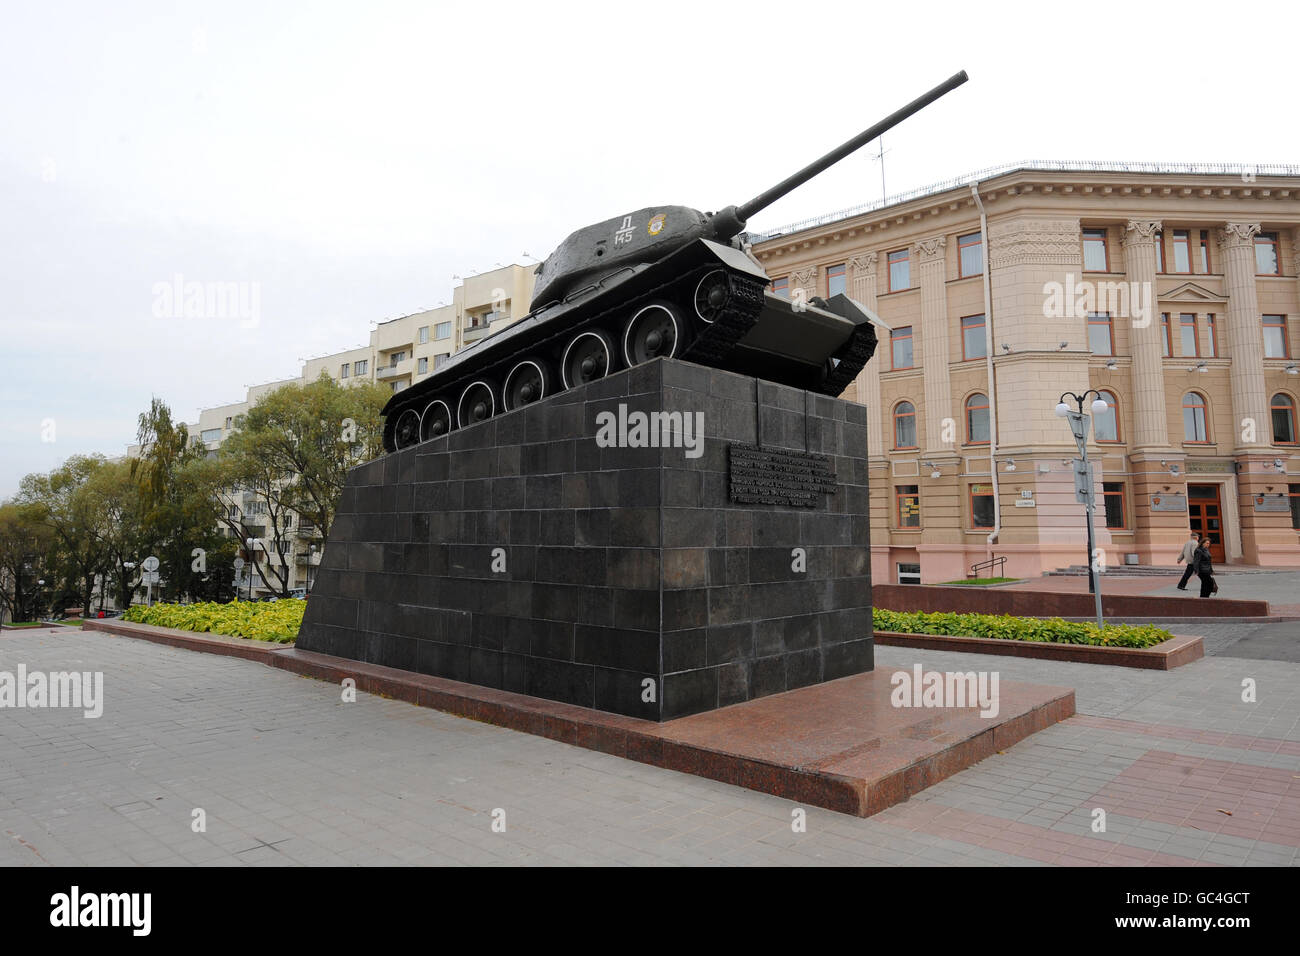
(528, 554)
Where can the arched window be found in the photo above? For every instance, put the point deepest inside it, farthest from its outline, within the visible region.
(1195, 418)
(905, 425)
(1106, 425)
(977, 419)
(1283, 410)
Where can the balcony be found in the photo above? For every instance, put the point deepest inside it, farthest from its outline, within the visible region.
(308, 557)
(387, 372)
(475, 332)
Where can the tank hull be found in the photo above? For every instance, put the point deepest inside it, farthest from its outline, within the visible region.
(709, 301)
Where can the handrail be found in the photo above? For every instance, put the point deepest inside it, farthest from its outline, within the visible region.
(999, 563)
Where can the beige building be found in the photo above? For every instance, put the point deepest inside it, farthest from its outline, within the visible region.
(401, 351)
(1171, 290)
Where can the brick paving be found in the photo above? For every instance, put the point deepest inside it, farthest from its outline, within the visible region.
(287, 773)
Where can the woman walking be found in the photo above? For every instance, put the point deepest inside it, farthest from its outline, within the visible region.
(1204, 569)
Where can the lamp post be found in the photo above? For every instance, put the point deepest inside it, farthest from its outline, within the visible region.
(1079, 425)
(248, 544)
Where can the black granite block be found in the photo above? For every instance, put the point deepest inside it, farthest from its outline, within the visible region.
(621, 565)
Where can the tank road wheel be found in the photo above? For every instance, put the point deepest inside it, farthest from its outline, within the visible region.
(651, 333)
(712, 295)
(436, 420)
(407, 430)
(525, 384)
(476, 404)
(588, 356)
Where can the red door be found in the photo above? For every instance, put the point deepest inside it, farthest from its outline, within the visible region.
(1205, 517)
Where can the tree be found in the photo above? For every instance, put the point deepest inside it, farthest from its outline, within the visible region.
(116, 498)
(60, 501)
(26, 546)
(180, 515)
(310, 436)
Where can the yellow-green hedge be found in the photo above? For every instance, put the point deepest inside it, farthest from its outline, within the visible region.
(257, 620)
(1050, 630)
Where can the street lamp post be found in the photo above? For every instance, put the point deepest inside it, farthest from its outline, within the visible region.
(1079, 425)
(248, 544)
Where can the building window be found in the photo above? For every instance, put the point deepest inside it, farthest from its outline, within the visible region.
(781, 286)
(1094, 251)
(1190, 343)
(361, 367)
(909, 573)
(977, 419)
(230, 421)
(1275, 337)
(1283, 411)
(343, 372)
(1113, 497)
(1214, 336)
(1266, 257)
(1205, 251)
(440, 360)
(1106, 425)
(234, 512)
(1182, 251)
(423, 334)
(1293, 492)
(1195, 429)
(973, 343)
(396, 358)
(1160, 252)
(905, 425)
(835, 284)
(1101, 337)
(900, 341)
(442, 330)
(970, 255)
(210, 434)
(907, 499)
(1166, 334)
(900, 272)
(981, 506)
(422, 366)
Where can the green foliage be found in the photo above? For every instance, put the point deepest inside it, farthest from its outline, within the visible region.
(276, 621)
(1006, 627)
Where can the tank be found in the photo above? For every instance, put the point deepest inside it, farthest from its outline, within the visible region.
(663, 281)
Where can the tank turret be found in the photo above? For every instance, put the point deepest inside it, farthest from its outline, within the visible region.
(663, 281)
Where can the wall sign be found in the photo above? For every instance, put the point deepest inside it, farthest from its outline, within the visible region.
(768, 477)
(1176, 501)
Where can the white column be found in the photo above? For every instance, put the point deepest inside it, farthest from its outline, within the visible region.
(1245, 337)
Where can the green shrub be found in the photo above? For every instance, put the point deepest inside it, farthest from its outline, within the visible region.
(276, 621)
(1051, 630)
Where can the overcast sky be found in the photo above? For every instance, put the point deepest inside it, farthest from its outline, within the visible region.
(346, 160)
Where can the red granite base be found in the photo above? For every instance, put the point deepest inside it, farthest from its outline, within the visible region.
(841, 745)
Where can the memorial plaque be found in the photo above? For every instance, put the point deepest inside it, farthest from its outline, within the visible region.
(1169, 502)
(769, 477)
(1272, 503)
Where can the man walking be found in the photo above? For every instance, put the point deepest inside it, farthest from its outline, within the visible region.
(1189, 552)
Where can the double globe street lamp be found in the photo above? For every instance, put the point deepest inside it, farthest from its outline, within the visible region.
(1079, 426)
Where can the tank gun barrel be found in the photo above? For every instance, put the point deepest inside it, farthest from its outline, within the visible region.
(765, 199)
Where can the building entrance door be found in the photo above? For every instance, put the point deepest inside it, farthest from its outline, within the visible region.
(1205, 517)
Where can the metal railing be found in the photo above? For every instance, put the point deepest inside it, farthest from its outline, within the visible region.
(994, 562)
(1034, 165)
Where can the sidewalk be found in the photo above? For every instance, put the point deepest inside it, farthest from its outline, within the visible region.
(1280, 588)
(287, 773)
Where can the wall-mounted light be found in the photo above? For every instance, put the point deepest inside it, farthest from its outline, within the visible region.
(1011, 464)
(1279, 465)
(935, 473)
(1292, 370)
(1112, 365)
(1198, 367)
(1007, 348)
(1063, 346)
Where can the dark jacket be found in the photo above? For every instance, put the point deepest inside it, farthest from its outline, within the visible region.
(1201, 561)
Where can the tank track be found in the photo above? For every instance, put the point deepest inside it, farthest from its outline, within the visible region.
(853, 357)
(744, 305)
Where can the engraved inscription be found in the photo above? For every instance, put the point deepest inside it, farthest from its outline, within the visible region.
(761, 476)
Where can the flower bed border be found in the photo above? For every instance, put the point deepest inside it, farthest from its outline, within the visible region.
(1179, 650)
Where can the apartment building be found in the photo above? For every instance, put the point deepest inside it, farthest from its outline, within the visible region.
(1169, 290)
(400, 352)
